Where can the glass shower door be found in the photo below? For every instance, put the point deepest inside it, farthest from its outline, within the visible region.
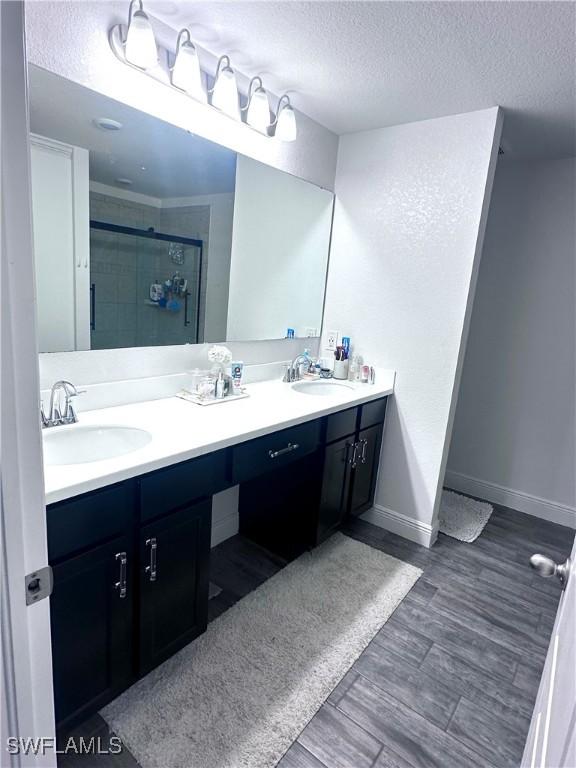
(145, 287)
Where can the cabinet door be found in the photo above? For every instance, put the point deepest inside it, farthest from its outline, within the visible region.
(364, 477)
(335, 487)
(174, 564)
(91, 626)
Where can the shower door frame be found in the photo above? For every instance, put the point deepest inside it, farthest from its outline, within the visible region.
(151, 234)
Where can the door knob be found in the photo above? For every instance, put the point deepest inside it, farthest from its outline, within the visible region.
(546, 567)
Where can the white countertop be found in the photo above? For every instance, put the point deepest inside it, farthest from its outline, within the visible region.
(182, 430)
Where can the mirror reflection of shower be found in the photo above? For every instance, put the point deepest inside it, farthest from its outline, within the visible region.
(145, 287)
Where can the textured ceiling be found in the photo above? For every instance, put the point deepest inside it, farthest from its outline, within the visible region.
(358, 65)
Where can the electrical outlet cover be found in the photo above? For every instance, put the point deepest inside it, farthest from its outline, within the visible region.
(332, 340)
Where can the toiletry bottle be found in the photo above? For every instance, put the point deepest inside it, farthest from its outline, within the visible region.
(346, 346)
(353, 369)
(156, 291)
(220, 386)
(237, 368)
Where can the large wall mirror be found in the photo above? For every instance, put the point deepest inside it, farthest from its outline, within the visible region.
(145, 234)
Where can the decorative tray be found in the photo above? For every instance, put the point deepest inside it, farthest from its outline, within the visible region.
(185, 394)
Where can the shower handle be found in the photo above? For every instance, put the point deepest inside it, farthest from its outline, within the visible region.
(186, 321)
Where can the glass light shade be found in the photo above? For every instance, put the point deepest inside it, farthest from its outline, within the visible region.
(258, 115)
(225, 93)
(286, 125)
(186, 72)
(140, 47)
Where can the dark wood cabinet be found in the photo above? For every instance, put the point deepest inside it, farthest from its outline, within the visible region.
(350, 465)
(131, 561)
(91, 624)
(111, 621)
(174, 562)
(365, 471)
(295, 507)
(335, 488)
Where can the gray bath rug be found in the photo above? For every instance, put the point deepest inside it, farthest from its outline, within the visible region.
(239, 695)
(463, 518)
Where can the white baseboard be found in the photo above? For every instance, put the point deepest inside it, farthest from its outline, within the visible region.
(522, 502)
(224, 529)
(402, 525)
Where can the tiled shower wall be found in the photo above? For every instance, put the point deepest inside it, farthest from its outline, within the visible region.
(123, 267)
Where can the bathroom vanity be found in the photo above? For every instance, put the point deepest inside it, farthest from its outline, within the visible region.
(183, 248)
(130, 546)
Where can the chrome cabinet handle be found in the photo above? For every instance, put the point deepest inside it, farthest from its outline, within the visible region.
(289, 448)
(364, 447)
(546, 567)
(151, 569)
(121, 584)
(352, 459)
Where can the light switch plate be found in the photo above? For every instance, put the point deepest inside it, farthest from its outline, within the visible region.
(331, 340)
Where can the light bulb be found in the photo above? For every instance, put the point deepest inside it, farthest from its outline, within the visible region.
(186, 72)
(286, 124)
(140, 48)
(225, 92)
(258, 115)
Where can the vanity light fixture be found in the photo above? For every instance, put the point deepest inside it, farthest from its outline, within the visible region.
(257, 108)
(285, 122)
(185, 74)
(140, 44)
(135, 45)
(225, 91)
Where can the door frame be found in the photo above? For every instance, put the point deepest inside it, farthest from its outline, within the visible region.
(27, 699)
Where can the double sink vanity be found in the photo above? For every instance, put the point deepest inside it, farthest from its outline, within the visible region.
(152, 243)
(129, 492)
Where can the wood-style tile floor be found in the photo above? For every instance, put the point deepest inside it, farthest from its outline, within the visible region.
(450, 680)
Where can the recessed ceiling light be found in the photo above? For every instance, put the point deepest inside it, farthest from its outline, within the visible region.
(107, 124)
(125, 182)
(143, 168)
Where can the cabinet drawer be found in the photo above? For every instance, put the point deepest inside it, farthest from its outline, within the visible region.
(341, 424)
(373, 413)
(178, 485)
(272, 451)
(87, 520)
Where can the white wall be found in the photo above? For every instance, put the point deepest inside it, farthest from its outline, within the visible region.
(409, 217)
(70, 38)
(514, 431)
(280, 243)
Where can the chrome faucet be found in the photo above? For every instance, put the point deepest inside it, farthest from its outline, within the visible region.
(293, 370)
(58, 414)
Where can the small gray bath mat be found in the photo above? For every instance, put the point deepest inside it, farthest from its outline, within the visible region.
(463, 518)
(239, 695)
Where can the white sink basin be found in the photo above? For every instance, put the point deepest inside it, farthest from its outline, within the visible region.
(321, 388)
(79, 444)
